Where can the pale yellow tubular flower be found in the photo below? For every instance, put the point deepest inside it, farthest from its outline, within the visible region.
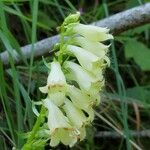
(82, 100)
(67, 137)
(55, 78)
(91, 32)
(74, 114)
(56, 84)
(88, 60)
(56, 118)
(86, 80)
(59, 126)
(96, 48)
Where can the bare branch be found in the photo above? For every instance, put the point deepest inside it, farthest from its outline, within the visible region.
(114, 135)
(117, 23)
(127, 19)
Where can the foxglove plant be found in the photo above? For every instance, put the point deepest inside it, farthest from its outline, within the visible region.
(73, 85)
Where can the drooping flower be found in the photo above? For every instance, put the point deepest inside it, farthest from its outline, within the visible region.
(96, 48)
(79, 98)
(91, 32)
(59, 126)
(55, 78)
(74, 114)
(67, 137)
(91, 84)
(54, 122)
(82, 101)
(56, 84)
(88, 60)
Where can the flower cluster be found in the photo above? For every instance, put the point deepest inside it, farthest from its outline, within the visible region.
(73, 85)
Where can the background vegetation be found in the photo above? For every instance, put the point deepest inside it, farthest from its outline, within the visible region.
(128, 79)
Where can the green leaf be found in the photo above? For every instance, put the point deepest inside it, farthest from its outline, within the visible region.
(139, 93)
(137, 30)
(139, 52)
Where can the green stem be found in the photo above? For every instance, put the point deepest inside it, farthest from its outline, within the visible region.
(35, 129)
(60, 57)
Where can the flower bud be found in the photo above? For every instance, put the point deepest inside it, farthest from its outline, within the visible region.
(72, 18)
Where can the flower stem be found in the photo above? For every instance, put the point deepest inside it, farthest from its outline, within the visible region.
(35, 129)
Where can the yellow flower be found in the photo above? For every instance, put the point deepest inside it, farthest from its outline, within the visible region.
(60, 126)
(56, 118)
(56, 84)
(87, 82)
(82, 101)
(88, 60)
(67, 137)
(74, 114)
(91, 32)
(96, 48)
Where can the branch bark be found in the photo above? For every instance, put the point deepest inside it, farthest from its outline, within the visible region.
(116, 23)
(114, 135)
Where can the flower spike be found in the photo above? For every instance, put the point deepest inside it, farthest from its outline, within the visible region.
(73, 85)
